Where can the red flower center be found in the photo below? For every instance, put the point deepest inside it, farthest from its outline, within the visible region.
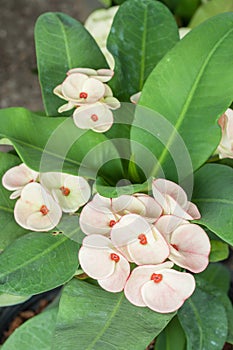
(175, 246)
(65, 191)
(112, 223)
(83, 95)
(114, 257)
(94, 117)
(44, 210)
(156, 277)
(142, 239)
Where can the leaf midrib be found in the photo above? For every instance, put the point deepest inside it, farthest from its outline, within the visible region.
(34, 258)
(195, 311)
(212, 200)
(107, 323)
(186, 106)
(143, 50)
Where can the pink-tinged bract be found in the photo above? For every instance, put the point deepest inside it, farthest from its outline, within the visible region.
(17, 177)
(100, 260)
(36, 210)
(225, 148)
(189, 244)
(159, 287)
(173, 200)
(139, 240)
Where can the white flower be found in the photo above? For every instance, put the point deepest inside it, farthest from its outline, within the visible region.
(225, 148)
(100, 260)
(189, 244)
(36, 210)
(71, 192)
(159, 287)
(139, 241)
(173, 199)
(99, 24)
(17, 177)
(79, 89)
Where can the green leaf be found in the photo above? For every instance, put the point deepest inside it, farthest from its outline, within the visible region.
(10, 299)
(219, 251)
(217, 275)
(35, 334)
(69, 226)
(172, 335)
(186, 8)
(56, 144)
(9, 230)
(115, 191)
(62, 43)
(91, 318)
(223, 300)
(142, 32)
(204, 321)
(37, 262)
(191, 94)
(210, 9)
(215, 201)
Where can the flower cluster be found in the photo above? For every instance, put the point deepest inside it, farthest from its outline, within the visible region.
(146, 231)
(44, 196)
(85, 90)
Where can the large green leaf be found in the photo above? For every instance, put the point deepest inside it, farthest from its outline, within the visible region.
(217, 275)
(9, 230)
(90, 318)
(56, 144)
(191, 87)
(210, 9)
(204, 321)
(35, 334)
(211, 286)
(11, 299)
(215, 200)
(62, 43)
(142, 32)
(172, 335)
(37, 262)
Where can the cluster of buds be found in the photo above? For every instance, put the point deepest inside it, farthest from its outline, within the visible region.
(42, 197)
(152, 232)
(85, 90)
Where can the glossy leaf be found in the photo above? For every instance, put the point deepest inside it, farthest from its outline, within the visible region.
(91, 318)
(10, 299)
(195, 316)
(217, 275)
(69, 226)
(190, 94)
(62, 43)
(37, 262)
(9, 230)
(142, 32)
(172, 335)
(210, 9)
(35, 334)
(221, 296)
(56, 144)
(215, 201)
(219, 251)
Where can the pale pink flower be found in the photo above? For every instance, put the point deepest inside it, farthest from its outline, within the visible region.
(79, 89)
(173, 199)
(189, 244)
(100, 260)
(17, 177)
(36, 210)
(103, 75)
(71, 192)
(139, 241)
(97, 117)
(225, 148)
(159, 287)
(101, 214)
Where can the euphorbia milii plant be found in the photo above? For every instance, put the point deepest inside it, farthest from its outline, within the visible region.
(120, 191)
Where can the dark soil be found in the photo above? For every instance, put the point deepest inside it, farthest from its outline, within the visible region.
(19, 84)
